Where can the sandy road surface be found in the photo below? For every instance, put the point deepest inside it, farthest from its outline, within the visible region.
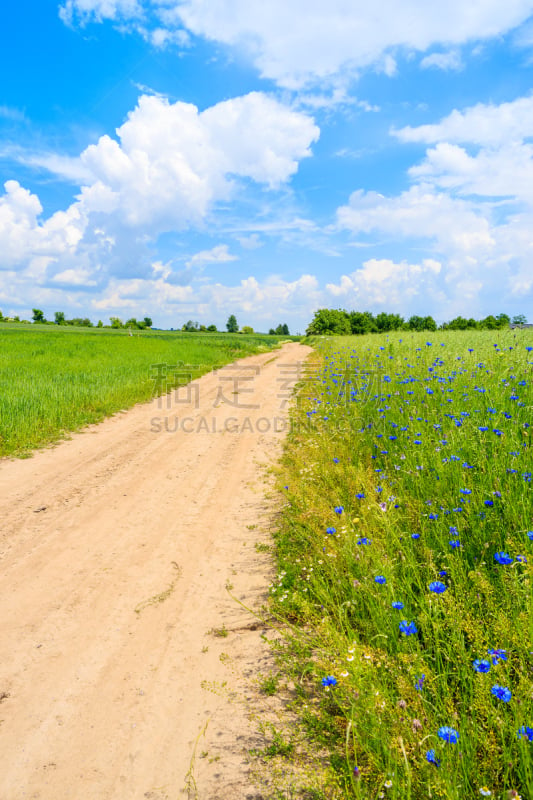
(115, 550)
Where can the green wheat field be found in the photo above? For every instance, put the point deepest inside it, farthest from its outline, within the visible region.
(54, 380)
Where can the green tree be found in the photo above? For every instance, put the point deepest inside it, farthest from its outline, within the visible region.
(329, 322)
(362, 322)
(59, 318)
(232, 325)
(460, 324)
(212, 328)
(421, 324)
(100, 324)
(503, 320)
(147, 322)
(247, 329)
(116, 322)
(519, 319)
(38, 315)
(489, 323)
(190, 326)
(389, 322)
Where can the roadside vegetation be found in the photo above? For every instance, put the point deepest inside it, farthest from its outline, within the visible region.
(56, 379)
(404, 569)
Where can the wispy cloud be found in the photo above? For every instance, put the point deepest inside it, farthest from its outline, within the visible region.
(14, 114)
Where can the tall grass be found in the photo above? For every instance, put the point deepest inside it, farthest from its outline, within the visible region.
(404, 563)
(55, 380)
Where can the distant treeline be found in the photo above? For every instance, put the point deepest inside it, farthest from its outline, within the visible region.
(80, 322)
(337, 322)
(232, 325)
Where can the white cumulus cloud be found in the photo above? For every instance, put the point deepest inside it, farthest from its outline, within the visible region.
(484, 124)
(420, 212)
(216, 255)
(389, 284)
(171, 162)
(296, 42)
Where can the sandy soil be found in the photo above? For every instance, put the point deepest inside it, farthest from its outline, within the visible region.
(116, 547)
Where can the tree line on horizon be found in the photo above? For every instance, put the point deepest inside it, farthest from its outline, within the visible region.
(232, 325)
(39, 318)
(338, 322)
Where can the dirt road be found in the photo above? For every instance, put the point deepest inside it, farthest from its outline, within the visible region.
(116, 547)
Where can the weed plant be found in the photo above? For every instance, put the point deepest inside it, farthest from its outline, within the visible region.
(405, 550)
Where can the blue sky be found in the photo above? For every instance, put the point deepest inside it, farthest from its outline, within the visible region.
(192, 159)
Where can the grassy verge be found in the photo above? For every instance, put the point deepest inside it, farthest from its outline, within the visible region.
(57, 379)
(404, 574)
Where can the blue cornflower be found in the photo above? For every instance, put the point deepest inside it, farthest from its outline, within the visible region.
(339, 510)
(432, 758)
(419, 684)
(483, 428)
(503, 558)
(522, 559)
(364, 540)
(481, 665)
(502, 693)
(329, 680)
(397, 604)
(525, 731)
(415, 536)
(408, 628)
(360, 495)
(497, 432)
(380, 579)
(438, 587)
(465, 491)
(448, 734)
(454, 543)
(335, 460)
(442, 573)
(530, 535)
(433, 516)
(453, 531)
(331, 531)
(497, 654)
(489, 503)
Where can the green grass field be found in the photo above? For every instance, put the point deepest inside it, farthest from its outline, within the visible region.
(54, 380)
(405, 554)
